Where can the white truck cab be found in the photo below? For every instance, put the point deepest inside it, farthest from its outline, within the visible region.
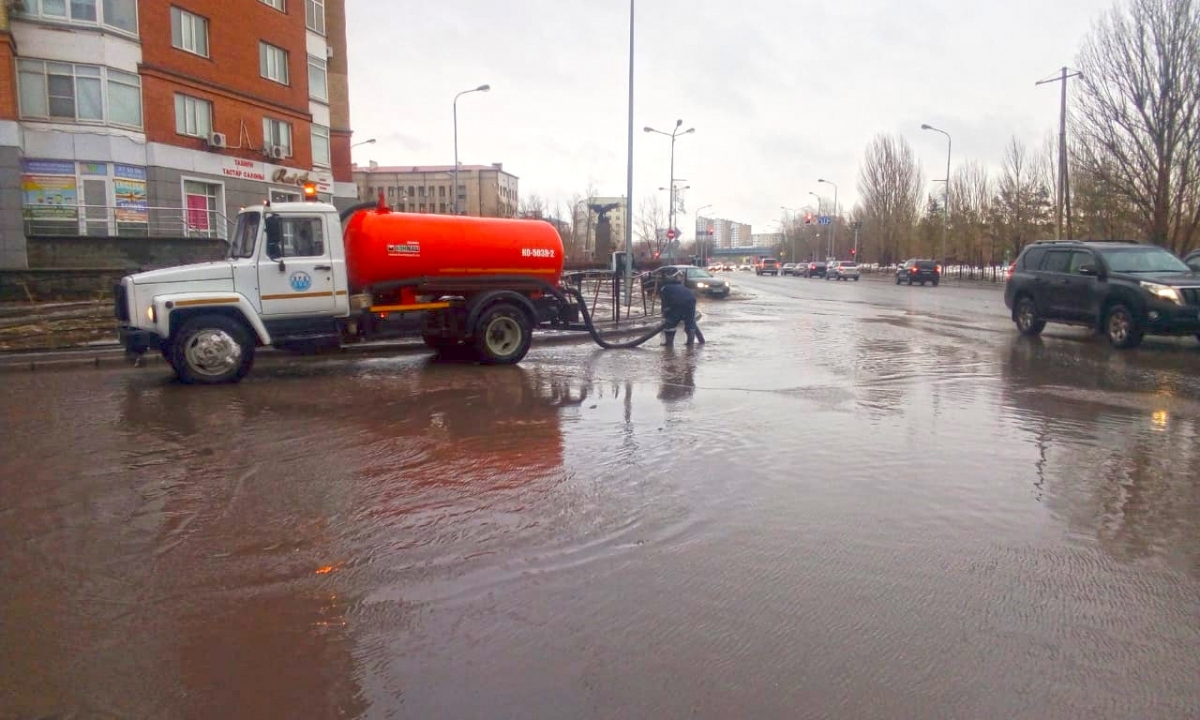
(207, 318)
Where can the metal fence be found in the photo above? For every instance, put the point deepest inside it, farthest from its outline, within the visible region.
(604, 292)
(124, 221)
(976, 273)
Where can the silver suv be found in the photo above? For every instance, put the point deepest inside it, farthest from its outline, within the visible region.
(842, 270)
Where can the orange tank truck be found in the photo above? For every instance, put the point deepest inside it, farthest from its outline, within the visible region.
(384, 247)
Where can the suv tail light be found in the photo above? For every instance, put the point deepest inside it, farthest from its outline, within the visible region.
(1009, 273)
(937, 269)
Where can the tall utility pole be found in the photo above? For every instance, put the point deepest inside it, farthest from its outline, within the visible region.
(1064, 195)
(833, 235)
(629, 177)
(674, 134)
(946, 204)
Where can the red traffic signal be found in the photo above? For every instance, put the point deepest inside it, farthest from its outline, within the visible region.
(657, 254)
(808, 218)
(853, 253)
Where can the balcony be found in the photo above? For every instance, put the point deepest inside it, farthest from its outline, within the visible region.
(124, 221)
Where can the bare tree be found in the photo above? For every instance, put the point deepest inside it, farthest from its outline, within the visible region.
(1021, 210)
(889, 183)
(532, 206)
(971, 188)
(1139, 119)
(651, 218)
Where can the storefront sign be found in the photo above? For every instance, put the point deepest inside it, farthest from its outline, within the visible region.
(129, 171)
(243, 169)
(50, 196)
(48, 167)
(131, 200)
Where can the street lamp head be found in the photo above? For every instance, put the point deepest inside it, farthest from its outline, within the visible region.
(484, 88)
(678, 122)
(648, 129)
(689, 130)
(926, 127)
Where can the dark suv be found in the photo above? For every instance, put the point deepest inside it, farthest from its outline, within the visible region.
(919, 271)
(1193, 261)
(1124, 290)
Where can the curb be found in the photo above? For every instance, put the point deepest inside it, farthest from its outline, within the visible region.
(96, 357)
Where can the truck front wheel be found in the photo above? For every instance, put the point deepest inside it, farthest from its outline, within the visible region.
(502, 335)
(212, 349)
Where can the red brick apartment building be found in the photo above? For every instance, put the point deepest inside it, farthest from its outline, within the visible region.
(160, 118)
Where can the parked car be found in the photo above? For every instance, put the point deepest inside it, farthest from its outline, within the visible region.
(1123, 290)
(816, 268)
(1193, 260)
(696, 278)
(789, 269)
(842, 270)
(919, 271)
(766, 266)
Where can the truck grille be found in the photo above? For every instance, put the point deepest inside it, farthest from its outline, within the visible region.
(1191, 295)
(120, 303)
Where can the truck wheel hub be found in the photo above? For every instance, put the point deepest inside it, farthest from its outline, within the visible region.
(503, 336)
(213, 352)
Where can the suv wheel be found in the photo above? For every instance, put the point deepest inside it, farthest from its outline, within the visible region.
(1026, 317)
(1122, 328)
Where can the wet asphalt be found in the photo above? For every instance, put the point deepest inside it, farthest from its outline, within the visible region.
(857, 500)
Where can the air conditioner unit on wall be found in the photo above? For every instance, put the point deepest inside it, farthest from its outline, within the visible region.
(217, 140)
(276, 152)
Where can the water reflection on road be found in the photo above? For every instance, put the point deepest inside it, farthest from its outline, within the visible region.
(838, 507)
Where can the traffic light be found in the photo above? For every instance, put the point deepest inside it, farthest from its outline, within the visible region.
(808, 218)
(853, 252)
(657, 254)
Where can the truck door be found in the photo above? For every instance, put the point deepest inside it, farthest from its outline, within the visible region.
(296, 278)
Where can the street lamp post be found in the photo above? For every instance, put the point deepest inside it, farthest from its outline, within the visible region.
(833, 235)
(790, 231)
(946, 204)
(481, 88)
(675, 133)
(364, 142)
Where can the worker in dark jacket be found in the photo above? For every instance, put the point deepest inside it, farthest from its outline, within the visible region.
(679, 305)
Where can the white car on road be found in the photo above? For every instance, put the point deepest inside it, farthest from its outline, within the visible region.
(842, 270)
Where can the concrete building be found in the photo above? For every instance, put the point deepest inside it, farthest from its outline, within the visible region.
(155, 119)
(767, 241)
(483, 190)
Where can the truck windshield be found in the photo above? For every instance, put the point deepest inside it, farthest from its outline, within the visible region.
(245, 235)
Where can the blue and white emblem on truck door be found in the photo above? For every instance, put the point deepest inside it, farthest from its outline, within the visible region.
(300, 281)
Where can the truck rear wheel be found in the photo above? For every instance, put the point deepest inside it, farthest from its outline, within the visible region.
(502, 335)
(212, 349)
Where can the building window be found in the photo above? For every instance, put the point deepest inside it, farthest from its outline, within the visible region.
(318, 85)
(82, 93)
(189, 32)
(314, 15)
(115, 14)
(273, 63)
(320, 147)
(441, 191)
(442, 207)
(278, 132)
(277, 4)
(202, 214)
(193, 116)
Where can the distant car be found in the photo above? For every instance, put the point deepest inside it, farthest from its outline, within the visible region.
(919, 271)
(816, 268)
(789, 269)
(767, 266)
(1193, 260)
(745, 268)
(842, 270)
(698, 279)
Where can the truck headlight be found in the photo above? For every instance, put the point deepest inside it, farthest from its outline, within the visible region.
(150, 315)
(701, 284)
(1163, 292)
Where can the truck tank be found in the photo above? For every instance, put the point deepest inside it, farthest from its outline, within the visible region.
(384, 246)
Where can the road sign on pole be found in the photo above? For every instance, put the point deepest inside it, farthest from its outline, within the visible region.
(826, 220)
(671, 233)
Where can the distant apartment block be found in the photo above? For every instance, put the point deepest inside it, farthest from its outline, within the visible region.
(483, 190)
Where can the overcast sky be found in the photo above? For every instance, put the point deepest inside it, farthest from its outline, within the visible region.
(780, 93)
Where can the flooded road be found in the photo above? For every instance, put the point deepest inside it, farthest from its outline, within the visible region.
(857, 500)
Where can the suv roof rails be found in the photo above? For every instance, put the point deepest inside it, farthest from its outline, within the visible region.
(1084, 242)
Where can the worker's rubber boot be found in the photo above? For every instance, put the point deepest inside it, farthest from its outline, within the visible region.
(691, 338)
(669, 338)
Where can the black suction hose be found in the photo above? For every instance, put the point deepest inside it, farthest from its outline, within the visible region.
(591, 327)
